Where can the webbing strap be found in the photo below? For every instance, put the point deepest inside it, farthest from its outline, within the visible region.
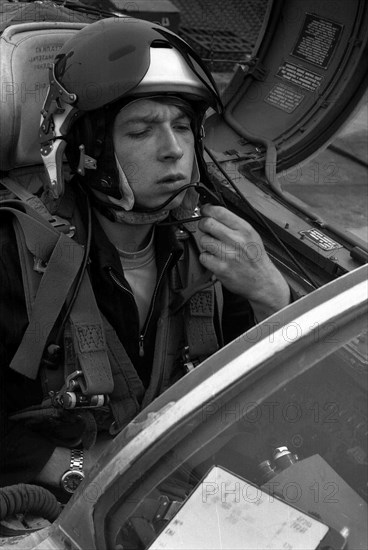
(46, 243)
(25, 196)
(40, 236)
(89, 342)
(202, 282)
(64, 258)
(37, 236)
(30, 277)
(200, 295)
(34, 202)
(128, 388)
(201, 334)
(200, 300)
(52, 293)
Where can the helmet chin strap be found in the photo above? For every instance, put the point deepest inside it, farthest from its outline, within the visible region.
(162, 206)
(125, 210)
(130, 217)
(143, 216)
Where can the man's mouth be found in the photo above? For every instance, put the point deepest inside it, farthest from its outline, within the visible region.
(173, 178)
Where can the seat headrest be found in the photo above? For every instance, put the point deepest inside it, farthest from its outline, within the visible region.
(26, 52)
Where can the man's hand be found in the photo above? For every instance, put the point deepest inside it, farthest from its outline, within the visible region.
(234, 252)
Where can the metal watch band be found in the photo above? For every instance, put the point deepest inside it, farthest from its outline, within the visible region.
(72, 478)
(76, 459)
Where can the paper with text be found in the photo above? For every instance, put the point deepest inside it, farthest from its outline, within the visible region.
(226, 512)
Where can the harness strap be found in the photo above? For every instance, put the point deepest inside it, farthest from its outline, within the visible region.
(40, 236)
(200, 295)
(52, 248)
(199, 301)
(52, 293)
(128, 388)
(89, 342)
(30, 277)
(63, 258)
(35, 203)
(201, 334)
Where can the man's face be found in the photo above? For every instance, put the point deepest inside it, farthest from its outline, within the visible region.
(154, 144)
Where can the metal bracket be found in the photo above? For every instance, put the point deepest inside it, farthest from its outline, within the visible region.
(255, 68)
(52, 105)
(167, 508)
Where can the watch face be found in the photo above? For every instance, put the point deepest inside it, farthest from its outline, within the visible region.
(71, 480)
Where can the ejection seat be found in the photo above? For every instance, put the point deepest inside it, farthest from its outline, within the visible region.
(26, 52)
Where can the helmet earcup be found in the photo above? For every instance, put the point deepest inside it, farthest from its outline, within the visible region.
(88, 130)
(94, 131)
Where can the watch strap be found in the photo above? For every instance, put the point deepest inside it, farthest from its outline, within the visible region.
(71, 479)
(76, 459)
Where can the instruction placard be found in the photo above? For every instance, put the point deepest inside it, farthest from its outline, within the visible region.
(227, 512)
(318, 40)
(320, 239)
(284, 97)
(300, 76)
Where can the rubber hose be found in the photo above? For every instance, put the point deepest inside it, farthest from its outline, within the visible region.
(24, 498)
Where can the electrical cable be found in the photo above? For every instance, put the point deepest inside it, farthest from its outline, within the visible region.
(262, 220)
(205, 193)
(215, 198)
(82, 269)
(346, 154)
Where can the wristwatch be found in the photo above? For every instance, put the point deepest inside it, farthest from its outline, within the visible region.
(71, 479)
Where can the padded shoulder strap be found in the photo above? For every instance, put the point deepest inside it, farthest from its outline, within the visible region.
(52, 249)
(36, 204)
(201, 298)
(31, 272)
(30, 276)
(62, 258)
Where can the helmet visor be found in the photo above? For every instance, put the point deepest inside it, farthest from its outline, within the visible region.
(107, 60)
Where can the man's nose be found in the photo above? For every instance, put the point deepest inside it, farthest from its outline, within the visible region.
(169, 145)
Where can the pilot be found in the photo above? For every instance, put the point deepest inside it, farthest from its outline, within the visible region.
(170, 275)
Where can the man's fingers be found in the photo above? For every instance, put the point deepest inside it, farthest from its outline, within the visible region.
(211, 246)
(212, 263)
(224, 216)
(229, 250)
(226, 226)
(220, 250)
(210, 227)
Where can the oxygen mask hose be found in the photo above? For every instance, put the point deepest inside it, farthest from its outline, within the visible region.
(206, 195)
(32, 499)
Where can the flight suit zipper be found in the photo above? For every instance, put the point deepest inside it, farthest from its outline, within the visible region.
(119, 283)
(152, 305)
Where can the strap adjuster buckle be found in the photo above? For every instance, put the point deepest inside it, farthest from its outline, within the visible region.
(189, 364)
(39, 265)
(62, 225)
(70, 396)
